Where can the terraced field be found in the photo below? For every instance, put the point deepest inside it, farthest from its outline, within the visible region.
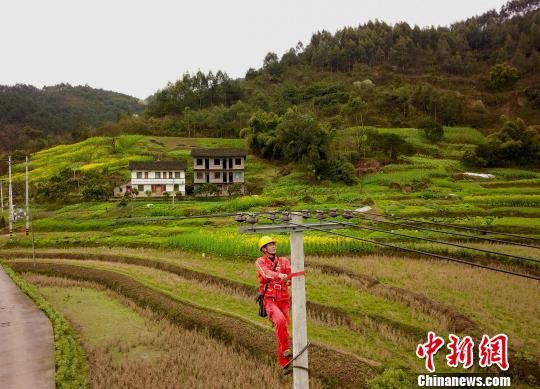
(374, 308)
(151, 265)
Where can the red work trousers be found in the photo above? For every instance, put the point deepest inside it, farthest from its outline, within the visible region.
(278, 312)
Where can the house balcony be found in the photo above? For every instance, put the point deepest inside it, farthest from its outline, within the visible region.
(217, 167)
(158, 181)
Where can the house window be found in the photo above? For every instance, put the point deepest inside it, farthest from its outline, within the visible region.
(176, 174)
(170, 174)
(158, 174)
(145, 174)
(199, 161)
(140, 188)
(139, 174)
(237, 161)
(237, 175)
(176, 187)
(199, 175)
(217, 175)
(216, 161)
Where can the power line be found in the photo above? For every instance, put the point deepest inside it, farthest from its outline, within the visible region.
(451, 233)
(437, 241)
(440, 231)
(455, 226)
(419, 252)
(230, 214)
(273, 218)
(165, 218)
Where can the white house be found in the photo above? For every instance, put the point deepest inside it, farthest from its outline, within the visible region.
(158, 177)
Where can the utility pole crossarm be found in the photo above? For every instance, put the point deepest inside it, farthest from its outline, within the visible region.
(271, 228)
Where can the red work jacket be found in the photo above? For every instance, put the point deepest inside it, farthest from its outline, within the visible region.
(277, 288)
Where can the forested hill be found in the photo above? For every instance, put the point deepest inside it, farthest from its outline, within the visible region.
(469, 73)
(31, 118)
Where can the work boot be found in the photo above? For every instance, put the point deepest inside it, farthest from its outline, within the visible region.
(287, 369)
(287, 353)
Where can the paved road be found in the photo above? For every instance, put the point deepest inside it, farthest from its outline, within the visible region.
(26, 341)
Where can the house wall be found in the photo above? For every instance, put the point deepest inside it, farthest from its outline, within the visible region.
(224, 166)
(238, 177)
(150, 179)
(212, 165)
(152, 175)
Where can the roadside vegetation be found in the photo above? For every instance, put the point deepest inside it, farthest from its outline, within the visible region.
(71, 370)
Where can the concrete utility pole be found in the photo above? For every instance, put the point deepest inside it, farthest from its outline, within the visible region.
(299, 316)
(27, 208)
(10, 201)
(33, 245)
(2, 197)
(300, 376)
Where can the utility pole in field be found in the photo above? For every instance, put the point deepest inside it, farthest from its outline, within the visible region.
(2, 197)
(27, 208)
(294, 225)
(173, 192)
(300, 376)
(10, 201)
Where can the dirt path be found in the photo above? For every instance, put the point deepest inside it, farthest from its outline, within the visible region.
(26, 341)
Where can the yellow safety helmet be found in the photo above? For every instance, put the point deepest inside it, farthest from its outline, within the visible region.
(264, 241)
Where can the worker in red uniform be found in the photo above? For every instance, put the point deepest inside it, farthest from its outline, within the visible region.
(275, 272)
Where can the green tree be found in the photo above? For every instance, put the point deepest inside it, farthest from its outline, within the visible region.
(433, 130)
(339, 170)
(392, 145)
(355, 110)
(272, 66)
(262, 138)
(402, 53)
(514, 144)
(502, 76)
(95, 193)
(301, 138)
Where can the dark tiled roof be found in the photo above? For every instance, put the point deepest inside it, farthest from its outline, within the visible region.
(158, 165)
(229, 152)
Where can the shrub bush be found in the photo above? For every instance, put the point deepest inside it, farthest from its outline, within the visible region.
(235, 189)
(392, 145)
(95, 193)
(433, 131)
(514, 144)
(339, 170)
(392, 378)
(502, 76)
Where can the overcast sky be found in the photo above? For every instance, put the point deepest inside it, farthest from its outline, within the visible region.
(136, 47)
